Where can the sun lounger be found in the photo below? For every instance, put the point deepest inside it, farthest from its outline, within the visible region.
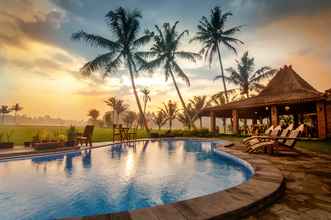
(256, 139)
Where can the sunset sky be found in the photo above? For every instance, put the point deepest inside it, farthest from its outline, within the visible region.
(39, 63)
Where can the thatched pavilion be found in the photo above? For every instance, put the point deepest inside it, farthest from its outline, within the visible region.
(286, 94)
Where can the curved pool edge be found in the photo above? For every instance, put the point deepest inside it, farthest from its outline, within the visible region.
(265, 186)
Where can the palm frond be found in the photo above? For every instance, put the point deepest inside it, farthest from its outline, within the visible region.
(181, 73)
(188, 55)
(96, 64)
(95, 40)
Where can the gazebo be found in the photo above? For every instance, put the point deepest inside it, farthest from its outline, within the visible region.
(286, 94)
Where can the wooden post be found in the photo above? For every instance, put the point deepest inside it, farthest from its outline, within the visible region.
(212, 121)
(224, 125)
(234, 121)
(274, 116)
(321, 119)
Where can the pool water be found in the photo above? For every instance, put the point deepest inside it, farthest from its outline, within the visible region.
(114, 178)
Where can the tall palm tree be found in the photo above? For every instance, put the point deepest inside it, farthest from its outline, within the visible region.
(119, 108)
(212, 34)
(199, 103)
(165, 52)
(188, 118)
(122, 48)
(170, 111)
(4, 110)
(111, 102)
(159, 118)
(16, 108)
(146, 97)
(246, 77)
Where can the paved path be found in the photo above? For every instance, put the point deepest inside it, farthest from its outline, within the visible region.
(308, 190)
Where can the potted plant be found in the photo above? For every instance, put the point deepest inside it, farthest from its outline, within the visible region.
(71, 136)
(42, 141)
(8, 143)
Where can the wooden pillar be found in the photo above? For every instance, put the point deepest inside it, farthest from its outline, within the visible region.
(224, 125)
(212, 121)
(274, 116)
(321, 119)
(235, 122)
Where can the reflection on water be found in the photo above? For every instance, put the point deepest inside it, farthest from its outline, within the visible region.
(116, 178)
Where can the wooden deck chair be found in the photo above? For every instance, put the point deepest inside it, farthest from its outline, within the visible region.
(266, 133)
(257, 139)
(277, 143)
(86, 136)
(117, 132)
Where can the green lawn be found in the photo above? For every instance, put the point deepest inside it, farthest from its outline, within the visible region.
(25, 133)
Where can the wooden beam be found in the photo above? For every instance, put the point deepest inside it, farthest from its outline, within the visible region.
(212, 121)
(235, 124)
(274, 115)
(321, 119)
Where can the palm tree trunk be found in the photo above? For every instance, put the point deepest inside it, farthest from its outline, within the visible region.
(170, 124)
(180, 96)
(15, 117)
(222, 73)
(200, 119)
(136, 96)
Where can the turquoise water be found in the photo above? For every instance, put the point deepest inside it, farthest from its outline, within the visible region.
(113, 179)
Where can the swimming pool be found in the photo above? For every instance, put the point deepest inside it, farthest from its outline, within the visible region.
(115, 178)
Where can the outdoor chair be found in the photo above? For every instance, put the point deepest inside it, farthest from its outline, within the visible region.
(278, 143)
(270, 132)
(132, 134)
(86, 136)
(117, 132)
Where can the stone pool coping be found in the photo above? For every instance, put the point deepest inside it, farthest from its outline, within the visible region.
(264, 187)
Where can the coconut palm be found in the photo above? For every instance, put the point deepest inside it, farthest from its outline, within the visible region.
(129, 118)
(212, 34)
(159, 118)
(165, 52)
(16, 108)
(246, 77)
(4, 110)
(199, 103)
(219, 98)
(170, 111)
(146, 97)
(94, 114)
(188, 118)
(111, 102)
(122, 48)
(119, 108)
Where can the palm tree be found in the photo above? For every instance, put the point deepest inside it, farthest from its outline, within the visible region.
(111, 102)
(188, 118)
(122, 49)
(94, 114)
(199, 103)
(219, 98)
(159, 118)
(4, 110)
(129, 118)
(146, 99)
(170, 111)
(16, 108)
(165, 52)
(212, 34)
(246, 77)
(119, 108)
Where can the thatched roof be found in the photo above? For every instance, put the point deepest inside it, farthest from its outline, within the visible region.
(287, 87)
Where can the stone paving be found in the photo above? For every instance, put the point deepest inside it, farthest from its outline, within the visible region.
(308, 188)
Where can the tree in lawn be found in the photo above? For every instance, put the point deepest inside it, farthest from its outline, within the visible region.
(159, 118)
(4, 110)
(16, 108)
(121, 49)
(120, 107)
(129, 118)
(165, 52)
(212, 34)
(146, 99)
(188, 119)
(246, 77)
(170, 111)
(198, 103)
(111, 102)
(94, 114)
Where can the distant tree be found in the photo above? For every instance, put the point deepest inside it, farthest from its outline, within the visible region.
(165, 53)
(159, 118)
(94, 114)
(246, 78)
(146, 99)
(188, 118)
(122, 48)
(4, 110)
(111, 102)
(219, 98)
(170, 111)
(129, 118)
(119, 108)
(16, 108)
(212, 34)
(108, 119)
(198, 104)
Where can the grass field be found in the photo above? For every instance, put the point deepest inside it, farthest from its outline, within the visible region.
(22, 133)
